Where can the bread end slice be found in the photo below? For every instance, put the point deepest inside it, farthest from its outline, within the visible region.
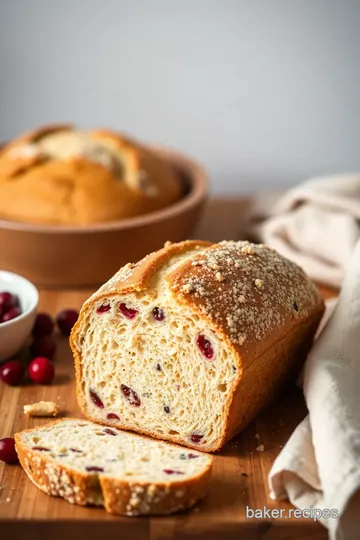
(87, 464)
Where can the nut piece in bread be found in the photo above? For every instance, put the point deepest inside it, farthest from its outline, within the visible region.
(63, 176)
(128, 474)
(189, 344)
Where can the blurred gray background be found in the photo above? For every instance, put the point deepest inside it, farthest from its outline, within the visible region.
(265, 93)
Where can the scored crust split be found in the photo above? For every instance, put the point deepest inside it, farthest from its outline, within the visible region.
(128, 474)
(63, 176)
(193, 341)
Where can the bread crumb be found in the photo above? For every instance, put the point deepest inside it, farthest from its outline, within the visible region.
(42, 408)
(219, 276)
(260, 448)
(188, 288)
(248, 250)
(167, 243)
(259, 283)
(257, 436)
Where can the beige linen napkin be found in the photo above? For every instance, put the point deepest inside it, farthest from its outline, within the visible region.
(315, 224)
(320, 465)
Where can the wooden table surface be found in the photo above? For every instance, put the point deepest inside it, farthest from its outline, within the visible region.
(240, 471)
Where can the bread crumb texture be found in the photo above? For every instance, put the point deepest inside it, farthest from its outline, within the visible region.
(86, 463)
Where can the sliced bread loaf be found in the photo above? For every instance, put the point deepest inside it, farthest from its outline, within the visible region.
(193, 341)
(86, 463)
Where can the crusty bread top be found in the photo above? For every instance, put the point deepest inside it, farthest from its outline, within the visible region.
(252, 295)
(67, 176)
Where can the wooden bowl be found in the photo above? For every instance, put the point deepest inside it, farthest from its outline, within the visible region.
(57, 256)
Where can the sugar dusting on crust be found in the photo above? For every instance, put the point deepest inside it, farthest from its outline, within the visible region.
(240, 284)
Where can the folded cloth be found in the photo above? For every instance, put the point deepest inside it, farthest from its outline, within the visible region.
(315, 224)
(319, 466)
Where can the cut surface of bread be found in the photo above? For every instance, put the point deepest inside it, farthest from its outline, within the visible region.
(192, 342)
(63, 175)
(86, 463)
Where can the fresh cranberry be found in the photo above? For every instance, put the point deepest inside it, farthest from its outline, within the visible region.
(76, 450)
(131, 396)
(41, 448)
(12, 372)
(93, 468)
(205, 346)
(7, 451)
(43, 326)
(11, 314)
(41, 370)
(43, 346)
(103, 308)
(7, 301)
(66, 320)
(129, 313)
(195, 438)
(158, 314)
(110, 432)
(96, 400)
(112, 416)
(170, 471)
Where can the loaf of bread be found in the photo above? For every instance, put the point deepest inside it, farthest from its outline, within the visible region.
(62, 176)
(128, 474)
(190, 343)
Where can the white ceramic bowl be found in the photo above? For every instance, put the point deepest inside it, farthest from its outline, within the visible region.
(14, 333)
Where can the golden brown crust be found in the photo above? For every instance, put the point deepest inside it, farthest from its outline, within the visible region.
(261, 305)
(118, 497)
(125, 180)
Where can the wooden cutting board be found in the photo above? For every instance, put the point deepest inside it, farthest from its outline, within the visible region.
(240, 471)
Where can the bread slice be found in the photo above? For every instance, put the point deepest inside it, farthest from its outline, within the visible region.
(193, 341)
(86, 463)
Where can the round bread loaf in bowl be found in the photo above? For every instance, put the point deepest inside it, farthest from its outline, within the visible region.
(159, 197)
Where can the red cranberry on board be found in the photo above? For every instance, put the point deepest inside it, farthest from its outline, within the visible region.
(12, 372)
(66, 320)
(7, 451)
(7, 301)
(205, 346)
(11, 314)
(43, 326)
(129, 313)
(41, 370)
(43, 346)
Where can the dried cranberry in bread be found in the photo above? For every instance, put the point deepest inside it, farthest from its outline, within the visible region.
(193, 341)
(63, 176)
(86, 463)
